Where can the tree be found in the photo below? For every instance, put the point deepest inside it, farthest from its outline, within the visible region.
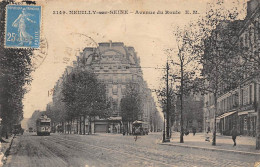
(84, 95)
(15, 69)
(131, 104)
(184, 64)
(218, 34)
(167, 98)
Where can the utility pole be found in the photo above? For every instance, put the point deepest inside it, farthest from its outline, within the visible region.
(167, 105)
(181, 98)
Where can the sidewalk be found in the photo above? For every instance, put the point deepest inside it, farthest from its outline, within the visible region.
(4, 148)
(245, 144)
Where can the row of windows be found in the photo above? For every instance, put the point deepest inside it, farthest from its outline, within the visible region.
(118, 78)
(245, 97)
(115, 89)
(228, 103)
(111, 57)
(110, 67)
(249, 38)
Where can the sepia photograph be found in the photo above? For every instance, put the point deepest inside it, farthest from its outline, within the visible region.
(130, 83)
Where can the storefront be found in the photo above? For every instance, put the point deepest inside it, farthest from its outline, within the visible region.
(247, 122)
(226, 122)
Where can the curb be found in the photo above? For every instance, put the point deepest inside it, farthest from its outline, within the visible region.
(211, 149)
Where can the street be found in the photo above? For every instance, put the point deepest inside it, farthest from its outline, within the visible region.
(59, 150)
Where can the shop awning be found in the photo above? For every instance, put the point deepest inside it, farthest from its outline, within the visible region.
(115, 118)
(138, 122)
(246, 112)
(252, 114)
(226, 114)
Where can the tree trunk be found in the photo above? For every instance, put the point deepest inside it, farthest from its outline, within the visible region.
(80, 130)
(71, 124)
(89, 126)
(62, 125)
(77, 128)
(84, 125)
(167, 106)
(181, 98)
(215, 120)
(258, 127)
(6, 131)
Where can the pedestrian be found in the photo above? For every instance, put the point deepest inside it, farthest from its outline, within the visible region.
(234, 135)
(194, 131)
(208, 129)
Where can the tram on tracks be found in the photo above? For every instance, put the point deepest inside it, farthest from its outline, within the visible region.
(140, 128)
(43, 126)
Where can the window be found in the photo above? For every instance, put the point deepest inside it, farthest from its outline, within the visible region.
(119, 78)
(245, 123)
(115, 90)
(110, 78)
(250, 94)
(46, 123)
(246, 39)
(114, 78)
(241, 42)
(128, 78)
(123, 78)
(106, 77)
(250, 37)
(134, 77)
(123, 89)
(115, 103)
(255, 35)
(242, 96)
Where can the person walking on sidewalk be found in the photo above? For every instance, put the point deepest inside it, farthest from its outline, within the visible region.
(234, 135)
(193, 131)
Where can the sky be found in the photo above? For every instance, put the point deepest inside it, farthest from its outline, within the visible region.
(149, 34)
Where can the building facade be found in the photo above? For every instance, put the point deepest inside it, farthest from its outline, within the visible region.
(237, 106)
(116, 65)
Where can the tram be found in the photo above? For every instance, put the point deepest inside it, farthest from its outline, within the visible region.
(43, 126)
(140, 128)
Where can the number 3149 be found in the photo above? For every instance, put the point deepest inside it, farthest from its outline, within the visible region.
(11, 37)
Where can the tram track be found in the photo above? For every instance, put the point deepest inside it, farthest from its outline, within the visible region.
(60, 150)
(132, 154)
(150, 154)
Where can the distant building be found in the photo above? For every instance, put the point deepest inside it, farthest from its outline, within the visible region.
(192, 113)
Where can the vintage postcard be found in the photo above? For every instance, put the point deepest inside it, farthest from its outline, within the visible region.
(129, 83)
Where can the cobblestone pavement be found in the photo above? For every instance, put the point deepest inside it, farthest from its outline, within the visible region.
(59, 150)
